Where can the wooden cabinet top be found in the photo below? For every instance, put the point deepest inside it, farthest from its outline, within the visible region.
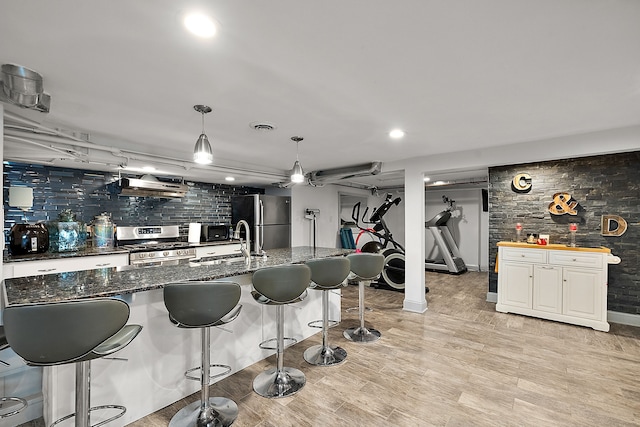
(555, 247)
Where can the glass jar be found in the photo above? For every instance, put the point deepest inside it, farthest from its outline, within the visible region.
(103, 231)
(66, 234)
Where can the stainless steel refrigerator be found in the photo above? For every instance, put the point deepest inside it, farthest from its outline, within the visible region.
(269, 219)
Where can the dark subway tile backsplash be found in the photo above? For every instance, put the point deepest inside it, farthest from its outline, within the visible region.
(89, 193)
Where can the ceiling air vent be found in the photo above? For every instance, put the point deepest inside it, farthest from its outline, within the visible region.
(262, 126)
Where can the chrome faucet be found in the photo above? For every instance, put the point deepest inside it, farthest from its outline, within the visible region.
(246, 247)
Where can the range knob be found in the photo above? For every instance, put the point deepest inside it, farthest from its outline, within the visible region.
(142, 255)
(181, 252)
(151, 255)
(165, 253)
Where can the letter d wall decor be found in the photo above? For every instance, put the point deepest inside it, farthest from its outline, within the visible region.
(613, 225)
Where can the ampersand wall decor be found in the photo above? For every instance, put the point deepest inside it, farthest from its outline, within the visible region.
(563, 204)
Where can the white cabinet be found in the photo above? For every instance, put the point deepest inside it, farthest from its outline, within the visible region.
(63, 265)
(581, 294)
(554, 282)
(520, 278)
(218, 250)
(547, 288)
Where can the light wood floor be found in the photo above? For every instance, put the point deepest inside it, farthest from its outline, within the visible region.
(459, 364)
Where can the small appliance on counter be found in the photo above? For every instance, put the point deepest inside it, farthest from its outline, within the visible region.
(28, 239)
(214, 233)
(67, 234)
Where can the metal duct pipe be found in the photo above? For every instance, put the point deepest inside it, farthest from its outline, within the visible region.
(65, 139)
(337, 174)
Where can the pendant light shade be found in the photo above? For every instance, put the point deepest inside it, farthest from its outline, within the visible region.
(297, 174)
(202, 152)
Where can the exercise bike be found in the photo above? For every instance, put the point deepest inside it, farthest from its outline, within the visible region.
(393, 270)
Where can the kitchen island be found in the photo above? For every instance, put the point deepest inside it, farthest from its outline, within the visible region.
(152, 376)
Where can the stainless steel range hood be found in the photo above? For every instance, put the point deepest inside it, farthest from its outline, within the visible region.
(150, 186)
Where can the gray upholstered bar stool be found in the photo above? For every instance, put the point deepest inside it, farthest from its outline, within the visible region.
(18, 403)
(203, 305)
(326, 274)
(366, 266)
(279, 286)
(59, 333)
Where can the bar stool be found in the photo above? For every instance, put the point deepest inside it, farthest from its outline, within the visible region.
(326, 274)
(366, 266)
(203, 305)
(279, 286)
(18, 401)
(60, 333)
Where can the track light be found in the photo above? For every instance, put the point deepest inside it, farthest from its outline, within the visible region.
(202, 153)
(297, 174)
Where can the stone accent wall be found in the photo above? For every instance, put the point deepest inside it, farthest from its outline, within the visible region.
(89, 193)
(602, 185)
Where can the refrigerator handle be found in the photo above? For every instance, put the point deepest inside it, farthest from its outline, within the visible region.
(261, 222)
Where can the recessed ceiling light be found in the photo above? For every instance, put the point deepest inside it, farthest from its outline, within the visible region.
(229, 178)
(200, 24)
(427, 179)
(148, 168)
(439, 183)
(396, 133)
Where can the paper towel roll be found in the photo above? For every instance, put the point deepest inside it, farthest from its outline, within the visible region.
(194, 232)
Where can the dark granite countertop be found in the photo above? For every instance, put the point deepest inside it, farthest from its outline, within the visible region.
(90, 251)
(117, 281)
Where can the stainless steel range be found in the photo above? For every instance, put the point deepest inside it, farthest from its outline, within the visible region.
(154, 245)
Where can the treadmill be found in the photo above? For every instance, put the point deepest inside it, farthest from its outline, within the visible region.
(451, 262)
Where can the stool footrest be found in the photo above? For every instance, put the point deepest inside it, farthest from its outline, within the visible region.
(225, 370)
(318, 323)
(263, 345)
(22, 404)
(121, 408)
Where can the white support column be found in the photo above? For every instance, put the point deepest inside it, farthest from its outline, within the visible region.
(414, 295)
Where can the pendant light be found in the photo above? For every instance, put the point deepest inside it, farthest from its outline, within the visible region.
(202, 153)
(297, 174)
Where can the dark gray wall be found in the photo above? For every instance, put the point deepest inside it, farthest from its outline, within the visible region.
(89, 193)
(602, 185)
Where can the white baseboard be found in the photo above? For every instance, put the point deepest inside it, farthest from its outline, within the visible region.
(612, 316)
(623, 318)
(414, 306)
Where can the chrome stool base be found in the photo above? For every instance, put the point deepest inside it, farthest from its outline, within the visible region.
(325, 356)
(361, 334)
(19, 402)
(120, 408)
(220, 412)
(273, 384)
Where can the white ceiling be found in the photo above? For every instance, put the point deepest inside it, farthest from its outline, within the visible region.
(455, 75)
